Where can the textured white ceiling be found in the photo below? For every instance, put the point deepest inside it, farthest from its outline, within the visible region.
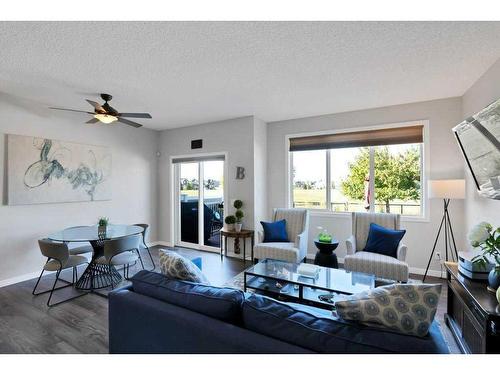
(186, 73)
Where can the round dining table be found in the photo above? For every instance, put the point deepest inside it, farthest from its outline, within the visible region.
(96, 276)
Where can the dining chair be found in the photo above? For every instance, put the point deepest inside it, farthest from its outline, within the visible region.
(83, 249)
(145, 233)
(58, 259)
(121, 252)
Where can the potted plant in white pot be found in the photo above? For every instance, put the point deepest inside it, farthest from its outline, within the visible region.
(488, 240)
(238, 214)
(230, 220)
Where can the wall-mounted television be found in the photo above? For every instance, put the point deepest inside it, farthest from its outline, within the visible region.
(479, 139)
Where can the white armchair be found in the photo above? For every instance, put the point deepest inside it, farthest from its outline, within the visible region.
(295, 250)
(382, 266)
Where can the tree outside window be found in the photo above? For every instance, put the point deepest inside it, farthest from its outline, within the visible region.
(395, 170)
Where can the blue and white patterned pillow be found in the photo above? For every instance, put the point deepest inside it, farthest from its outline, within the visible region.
(175, 266)
(406, 308)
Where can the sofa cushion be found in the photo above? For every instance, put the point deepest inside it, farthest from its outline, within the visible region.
(220, 303)
(275, 231)
(383, 241)
(277, 250)
(178, 267)
(409, 309)
(379, 265)
(302, 326)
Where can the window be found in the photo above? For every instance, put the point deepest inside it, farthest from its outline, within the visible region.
(397, 171)
(375, 171)
(349, 171)
(309, 179)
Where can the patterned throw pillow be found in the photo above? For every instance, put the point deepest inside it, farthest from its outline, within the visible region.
(177, 267)
(406, 308)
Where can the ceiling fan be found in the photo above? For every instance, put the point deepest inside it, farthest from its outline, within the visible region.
(107, 114)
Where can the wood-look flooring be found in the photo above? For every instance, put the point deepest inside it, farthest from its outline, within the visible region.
(27, 325)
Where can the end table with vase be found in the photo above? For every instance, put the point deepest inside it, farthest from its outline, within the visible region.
(325, 255)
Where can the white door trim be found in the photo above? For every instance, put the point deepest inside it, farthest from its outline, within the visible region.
(175, 202)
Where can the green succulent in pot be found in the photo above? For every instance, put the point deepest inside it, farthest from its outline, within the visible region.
(103, 221)
(102, 226)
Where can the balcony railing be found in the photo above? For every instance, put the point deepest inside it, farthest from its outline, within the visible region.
(397, 208)
(216, 207)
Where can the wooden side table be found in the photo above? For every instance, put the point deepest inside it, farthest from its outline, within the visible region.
(243, 234)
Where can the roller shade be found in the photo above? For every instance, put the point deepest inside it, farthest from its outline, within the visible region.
(194, 159)
(379, 137)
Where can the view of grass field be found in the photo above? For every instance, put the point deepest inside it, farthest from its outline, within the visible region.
(215, 193)
(316, 199)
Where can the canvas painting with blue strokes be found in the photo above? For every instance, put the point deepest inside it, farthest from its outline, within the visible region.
(41, 170)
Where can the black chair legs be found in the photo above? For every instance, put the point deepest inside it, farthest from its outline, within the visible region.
(140, 258)
(151, 257)
(53, 289)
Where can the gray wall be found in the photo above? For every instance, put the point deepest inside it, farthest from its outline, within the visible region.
(445, 162)
(134, 189)
(483, 92)
(236, 137)
(260, 172)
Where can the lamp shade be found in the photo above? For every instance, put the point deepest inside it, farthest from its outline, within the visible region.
(447, 189)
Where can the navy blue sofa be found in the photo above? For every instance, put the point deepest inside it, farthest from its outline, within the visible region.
(160, 315)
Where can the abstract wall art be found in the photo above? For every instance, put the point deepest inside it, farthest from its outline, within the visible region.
(41, 170)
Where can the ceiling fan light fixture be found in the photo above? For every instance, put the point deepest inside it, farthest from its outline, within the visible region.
(106, 119)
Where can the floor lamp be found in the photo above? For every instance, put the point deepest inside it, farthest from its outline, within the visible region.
(446, 190)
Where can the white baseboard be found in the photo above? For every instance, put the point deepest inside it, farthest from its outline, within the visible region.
(413, 270)
(161, 243)
(435, 273)
(18, 279)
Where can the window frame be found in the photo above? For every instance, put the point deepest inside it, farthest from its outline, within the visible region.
(424, 170)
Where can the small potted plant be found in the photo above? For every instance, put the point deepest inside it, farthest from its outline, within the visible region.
(488, 240)
(324, 236)
(102, 226)
(238, 214)
(230, 220)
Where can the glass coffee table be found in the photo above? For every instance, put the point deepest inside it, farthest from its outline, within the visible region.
(280, 280)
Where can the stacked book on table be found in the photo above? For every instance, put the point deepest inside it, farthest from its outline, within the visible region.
(308, 270)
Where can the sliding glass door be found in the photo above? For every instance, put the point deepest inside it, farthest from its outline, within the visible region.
(199, 206)
(189, 197)
(213, 200)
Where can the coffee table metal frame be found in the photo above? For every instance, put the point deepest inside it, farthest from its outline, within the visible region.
(305, 292)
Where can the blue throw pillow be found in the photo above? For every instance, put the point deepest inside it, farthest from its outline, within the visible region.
(383, 241)
(275, 232)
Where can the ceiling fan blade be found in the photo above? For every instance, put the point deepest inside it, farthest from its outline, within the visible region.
(92, 121)
(96, 105)
(135, 115)
(128, 122)
(72, 110)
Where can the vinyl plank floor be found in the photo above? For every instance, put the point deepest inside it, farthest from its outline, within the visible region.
(27, 325)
